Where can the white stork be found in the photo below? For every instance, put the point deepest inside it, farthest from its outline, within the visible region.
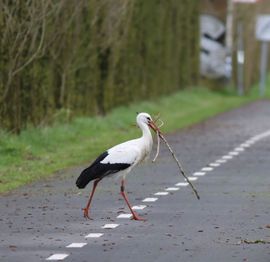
(120, 159)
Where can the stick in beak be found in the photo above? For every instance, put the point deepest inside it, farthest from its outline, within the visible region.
(153, 126)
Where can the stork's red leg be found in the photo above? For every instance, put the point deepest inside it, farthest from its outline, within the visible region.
(123, 193)
(86, 209)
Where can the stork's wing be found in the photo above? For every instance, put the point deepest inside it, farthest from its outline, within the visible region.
(121, 154)
(114, 160)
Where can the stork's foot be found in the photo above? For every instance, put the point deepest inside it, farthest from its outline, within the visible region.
(86, 213)
(138, 218)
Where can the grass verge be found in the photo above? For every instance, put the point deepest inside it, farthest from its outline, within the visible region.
(39, 152)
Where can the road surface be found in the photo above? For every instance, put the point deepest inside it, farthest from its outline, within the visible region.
(227, 155)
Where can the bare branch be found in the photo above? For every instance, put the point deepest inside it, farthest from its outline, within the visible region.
(38, 49)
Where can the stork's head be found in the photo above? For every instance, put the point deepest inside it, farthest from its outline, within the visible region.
(144, 118)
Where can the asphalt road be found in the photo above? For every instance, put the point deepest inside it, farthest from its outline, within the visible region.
(231, 222)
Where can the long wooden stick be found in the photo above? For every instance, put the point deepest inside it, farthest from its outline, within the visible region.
(178, 163)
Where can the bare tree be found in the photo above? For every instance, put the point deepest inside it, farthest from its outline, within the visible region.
(23, 35)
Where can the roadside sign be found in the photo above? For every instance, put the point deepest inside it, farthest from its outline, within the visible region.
(263, 28)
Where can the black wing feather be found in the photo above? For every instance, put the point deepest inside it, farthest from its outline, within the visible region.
(98, 170)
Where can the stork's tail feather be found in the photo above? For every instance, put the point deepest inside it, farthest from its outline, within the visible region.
(90, 173)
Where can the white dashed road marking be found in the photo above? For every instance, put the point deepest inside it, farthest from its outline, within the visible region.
(76, 245)
(182, 184)
(239, 149)
(227, 157)
(207, 169)
(150, 199)
(56, 257)
(124, 216)
(199, 174)
(192, 178)
(139, 207)
(94, 235)
(110, 226)
(221, 161)
(214, 164)
(161, 193)
(245, 145)
(233, 153)
(172, 189)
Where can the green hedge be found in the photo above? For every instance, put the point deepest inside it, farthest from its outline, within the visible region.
(88, 56)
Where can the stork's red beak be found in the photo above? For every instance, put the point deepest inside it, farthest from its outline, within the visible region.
(153, 126)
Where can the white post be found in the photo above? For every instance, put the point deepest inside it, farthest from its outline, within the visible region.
(240, 59)
(229, 26)
(263, 67)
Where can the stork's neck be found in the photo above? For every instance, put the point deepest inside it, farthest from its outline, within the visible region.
(146, 133)
(145, 143)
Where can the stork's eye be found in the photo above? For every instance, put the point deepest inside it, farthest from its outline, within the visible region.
(148, 118)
